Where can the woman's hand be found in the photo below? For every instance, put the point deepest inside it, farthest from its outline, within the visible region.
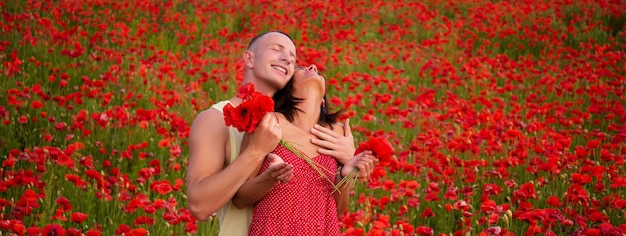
(334, 144)
(256, 187)
(278, 170)
(364, 162)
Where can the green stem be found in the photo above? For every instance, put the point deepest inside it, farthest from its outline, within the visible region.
(319, 168)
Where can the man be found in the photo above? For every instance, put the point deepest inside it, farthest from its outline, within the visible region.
(217, 170)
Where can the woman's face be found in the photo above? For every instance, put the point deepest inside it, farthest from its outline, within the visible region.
(309, 77)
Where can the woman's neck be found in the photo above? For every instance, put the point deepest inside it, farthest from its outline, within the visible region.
(309, 114)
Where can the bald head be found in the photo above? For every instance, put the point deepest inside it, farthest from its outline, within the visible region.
(262, 36)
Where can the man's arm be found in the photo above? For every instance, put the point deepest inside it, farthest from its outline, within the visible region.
(209, 184)
(337, 142)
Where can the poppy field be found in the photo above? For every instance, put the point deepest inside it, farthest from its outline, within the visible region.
(507, 117)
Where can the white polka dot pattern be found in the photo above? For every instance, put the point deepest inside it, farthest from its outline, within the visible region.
(303, 206)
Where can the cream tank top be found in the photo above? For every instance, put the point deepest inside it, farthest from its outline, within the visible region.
(233, 221)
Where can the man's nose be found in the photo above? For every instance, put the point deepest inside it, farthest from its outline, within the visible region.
(286, 57)
(313, 67)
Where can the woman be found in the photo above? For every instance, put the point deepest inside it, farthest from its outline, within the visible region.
(301, 201)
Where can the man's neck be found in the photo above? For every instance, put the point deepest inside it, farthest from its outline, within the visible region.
(260, 87)
(264, 89)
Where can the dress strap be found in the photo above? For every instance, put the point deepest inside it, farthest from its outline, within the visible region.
(220, 105)
(233, 221)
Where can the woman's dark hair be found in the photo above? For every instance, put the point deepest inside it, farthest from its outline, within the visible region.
(285, 103)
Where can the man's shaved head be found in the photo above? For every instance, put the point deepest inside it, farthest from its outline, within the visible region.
(257, 38)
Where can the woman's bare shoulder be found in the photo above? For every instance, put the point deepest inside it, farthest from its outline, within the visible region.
(337, 128)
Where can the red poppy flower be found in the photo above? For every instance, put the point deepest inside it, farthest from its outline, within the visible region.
(78, 217)
(407, 228)
(428, 213)
(137, 232)
(598, 217)
(245, 91)
(239, 117)
(144, 220)
(122, 228)
(36, 105)
(381, 148)
(65, 203)
(23, 119)
(488, 206)
(164, 142)
(9, 162)
(59, 215)
(161, 187)
(53, 229)
(191, 228)
(247, 115)
(171, 218)
(33, 230)
(620, 204)
(93, 232)
(424, 230)
(554, 201)
(74, 232)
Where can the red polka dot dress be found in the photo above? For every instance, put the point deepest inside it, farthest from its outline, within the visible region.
(303, 206)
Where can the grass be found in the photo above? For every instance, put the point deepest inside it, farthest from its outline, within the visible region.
(493, 69)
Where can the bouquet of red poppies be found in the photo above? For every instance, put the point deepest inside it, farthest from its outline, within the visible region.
(380, 147)
(247, 115)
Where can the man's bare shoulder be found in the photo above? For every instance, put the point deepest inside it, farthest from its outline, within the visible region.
(209, 115)
(207, 121)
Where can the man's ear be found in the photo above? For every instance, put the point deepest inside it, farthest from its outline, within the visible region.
(248, 58)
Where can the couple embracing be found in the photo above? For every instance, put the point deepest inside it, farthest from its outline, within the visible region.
(255, 184)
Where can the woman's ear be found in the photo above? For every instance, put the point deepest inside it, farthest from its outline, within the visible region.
(248, 58)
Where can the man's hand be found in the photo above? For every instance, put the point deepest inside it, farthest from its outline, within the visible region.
(334, 144)
(278, 170)
(266, 136)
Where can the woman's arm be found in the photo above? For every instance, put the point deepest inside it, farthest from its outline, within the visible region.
(342, 196)
(364, 161)
(259, 184)
(256, 187)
